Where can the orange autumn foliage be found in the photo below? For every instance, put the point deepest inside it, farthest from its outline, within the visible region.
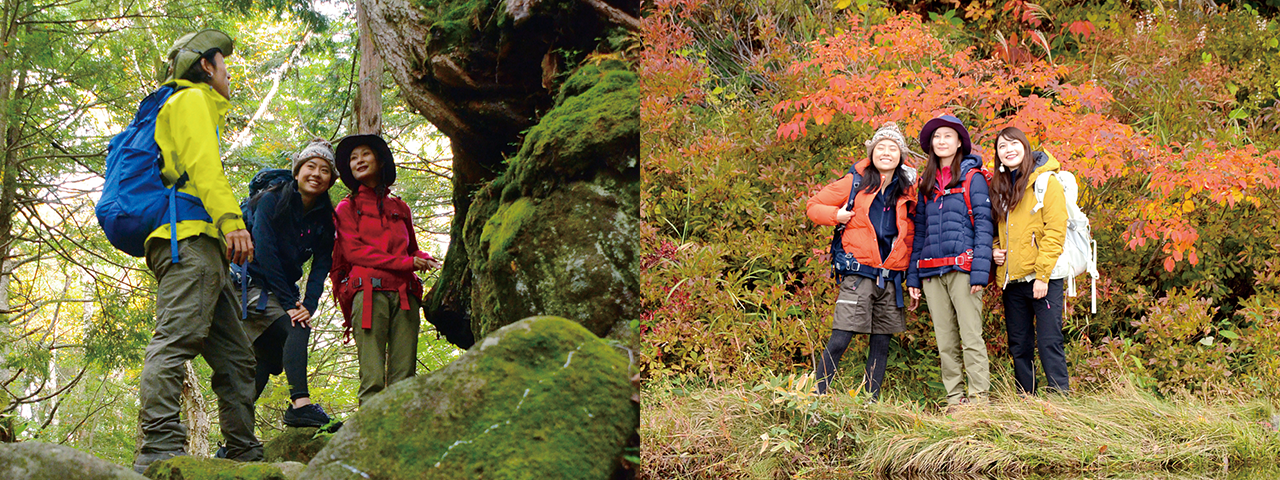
(899, 71)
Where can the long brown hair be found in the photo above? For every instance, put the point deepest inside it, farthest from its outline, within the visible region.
(931, 171)
(1005, 191)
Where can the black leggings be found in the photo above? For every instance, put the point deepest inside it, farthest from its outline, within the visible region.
(877, 356)
(283, 347)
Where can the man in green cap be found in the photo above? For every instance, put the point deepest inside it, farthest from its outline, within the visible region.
(196, 308)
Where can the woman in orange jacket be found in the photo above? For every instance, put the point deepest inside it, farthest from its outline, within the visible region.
(873, 203)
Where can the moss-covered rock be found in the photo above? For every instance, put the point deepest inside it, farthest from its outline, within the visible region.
(555, 234)
(542, 398)
(295, 445)
(192, 468)
(45, 461)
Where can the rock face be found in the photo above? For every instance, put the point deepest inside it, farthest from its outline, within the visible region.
(192, 468)
(41, 461)
(542, 398)
(526, 85)
(555, 234)
(295, 445)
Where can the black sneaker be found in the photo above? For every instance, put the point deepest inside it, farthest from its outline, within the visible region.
(222, 452)
(309, 415)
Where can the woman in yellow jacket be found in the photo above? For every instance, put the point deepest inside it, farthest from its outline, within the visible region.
(1027, 248)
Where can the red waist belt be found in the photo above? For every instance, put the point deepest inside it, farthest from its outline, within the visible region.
(964, 261)
(368, 284)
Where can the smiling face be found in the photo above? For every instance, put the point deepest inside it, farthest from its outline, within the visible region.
(886, 156)
(364, 166)
(946, 143)
(314, 178)
(1010, 151)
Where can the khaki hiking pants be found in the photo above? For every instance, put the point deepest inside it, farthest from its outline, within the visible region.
(957, 324)
(196, 314)
(388, 352)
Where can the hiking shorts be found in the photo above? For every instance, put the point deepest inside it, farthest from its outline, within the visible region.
(863, 307)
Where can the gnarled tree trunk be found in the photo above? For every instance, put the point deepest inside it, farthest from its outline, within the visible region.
(485, 73)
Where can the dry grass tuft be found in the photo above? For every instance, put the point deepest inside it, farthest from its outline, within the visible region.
(741, 433)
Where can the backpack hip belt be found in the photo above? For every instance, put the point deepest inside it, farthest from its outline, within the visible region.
(368, 283)
(964, 261)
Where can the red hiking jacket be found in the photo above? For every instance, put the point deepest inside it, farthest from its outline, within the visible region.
(374, 250)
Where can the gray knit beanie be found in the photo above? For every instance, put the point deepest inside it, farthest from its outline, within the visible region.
(888, 131)
(318, 148)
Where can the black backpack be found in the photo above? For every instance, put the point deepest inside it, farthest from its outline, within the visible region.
(844, 264)
(265, 179)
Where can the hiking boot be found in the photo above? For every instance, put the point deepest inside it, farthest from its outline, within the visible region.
(144, 460)
(222, 452)
(309, 415)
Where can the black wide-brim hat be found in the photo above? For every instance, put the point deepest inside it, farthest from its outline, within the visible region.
(342, 157)
(926, 133)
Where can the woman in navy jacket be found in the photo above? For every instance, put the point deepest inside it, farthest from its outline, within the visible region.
(292, 222)
(951, 254)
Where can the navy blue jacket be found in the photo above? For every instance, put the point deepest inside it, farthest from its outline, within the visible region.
(284, 238)
(943, 228)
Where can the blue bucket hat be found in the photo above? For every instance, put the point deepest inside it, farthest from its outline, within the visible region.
(926, 133)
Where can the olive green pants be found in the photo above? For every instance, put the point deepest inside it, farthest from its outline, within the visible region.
(196, 314)
(388, 351)
(957, 324)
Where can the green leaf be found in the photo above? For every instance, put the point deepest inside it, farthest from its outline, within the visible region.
(935, 385)
(1229, 334)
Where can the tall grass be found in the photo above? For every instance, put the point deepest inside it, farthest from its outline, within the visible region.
(784, 432)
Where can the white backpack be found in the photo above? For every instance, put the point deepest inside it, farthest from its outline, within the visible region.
(1079, 250)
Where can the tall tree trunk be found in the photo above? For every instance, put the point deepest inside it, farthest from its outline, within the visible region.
(368, 109)
(9, 133)
(195, 408)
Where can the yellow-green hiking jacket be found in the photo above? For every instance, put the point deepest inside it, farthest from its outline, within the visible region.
(187, 130)
(1034, 239)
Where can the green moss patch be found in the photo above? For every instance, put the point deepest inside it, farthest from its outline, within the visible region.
(295, 445)
(594, 127)
(192, 468)
(541, 398)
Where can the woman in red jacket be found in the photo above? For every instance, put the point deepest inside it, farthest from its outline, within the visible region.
(374, 259)
(877, 247)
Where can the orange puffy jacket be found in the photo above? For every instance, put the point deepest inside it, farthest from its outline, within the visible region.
(859, 234)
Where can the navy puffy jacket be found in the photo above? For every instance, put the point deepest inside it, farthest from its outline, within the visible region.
(283, 244)
(943, 228)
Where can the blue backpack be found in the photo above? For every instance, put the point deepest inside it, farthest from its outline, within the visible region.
(134, 199)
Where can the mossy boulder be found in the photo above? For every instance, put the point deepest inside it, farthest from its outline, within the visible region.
(192, 468)
(295, 445)
(555, 234)
(45, 461)
(541, 398)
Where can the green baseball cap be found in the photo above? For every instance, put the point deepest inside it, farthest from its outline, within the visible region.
(188, 49)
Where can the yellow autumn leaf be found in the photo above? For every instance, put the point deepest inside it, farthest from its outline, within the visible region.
(1188, 206)
(843, 4)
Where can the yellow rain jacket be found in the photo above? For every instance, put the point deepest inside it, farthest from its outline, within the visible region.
(187, 130)
(1034, 239)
